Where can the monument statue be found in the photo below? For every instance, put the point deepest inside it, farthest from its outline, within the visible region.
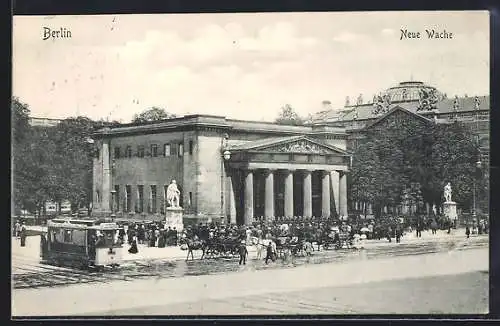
(447, 192)
(173, 194)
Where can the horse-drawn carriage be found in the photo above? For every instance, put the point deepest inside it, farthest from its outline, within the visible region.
(335, 237)
(212, 247)
(292, 246)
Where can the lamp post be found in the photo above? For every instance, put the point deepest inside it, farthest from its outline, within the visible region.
(477, 169)
(226, 155)
(113, 200)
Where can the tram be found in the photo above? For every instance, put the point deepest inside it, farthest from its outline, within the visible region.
(81, 243)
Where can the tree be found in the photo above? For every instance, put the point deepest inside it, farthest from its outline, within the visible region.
(20, 120)
(152, 114)
(419, 157)
(73, 159)
(288, 116)
(21, 133)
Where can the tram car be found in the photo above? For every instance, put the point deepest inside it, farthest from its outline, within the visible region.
(81, 243)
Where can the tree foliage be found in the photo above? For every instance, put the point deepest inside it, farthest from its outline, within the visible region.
(288, 116)
(410, 161)
(152, 114)
(52, 163)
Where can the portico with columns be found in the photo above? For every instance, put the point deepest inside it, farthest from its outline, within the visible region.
(287, 177)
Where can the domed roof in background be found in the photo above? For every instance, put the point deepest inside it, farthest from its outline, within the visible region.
(409, 91)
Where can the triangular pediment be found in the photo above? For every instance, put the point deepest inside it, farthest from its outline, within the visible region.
(291, 145)
(397, 115)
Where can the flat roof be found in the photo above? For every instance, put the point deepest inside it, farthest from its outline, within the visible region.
(214, 121)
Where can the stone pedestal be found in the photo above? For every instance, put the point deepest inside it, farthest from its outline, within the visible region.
(173, 218)
(450, 210)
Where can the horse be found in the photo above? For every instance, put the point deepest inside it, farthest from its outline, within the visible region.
(194, 245)
(304, 248)
(259, 245)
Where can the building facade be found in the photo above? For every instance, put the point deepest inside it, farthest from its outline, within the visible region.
(239, 171)
(416, 97)
(415, 101)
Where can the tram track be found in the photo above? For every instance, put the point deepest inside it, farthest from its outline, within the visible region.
(29, 274)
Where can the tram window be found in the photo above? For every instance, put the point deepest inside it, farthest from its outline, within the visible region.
(68, 236)
(78, 237)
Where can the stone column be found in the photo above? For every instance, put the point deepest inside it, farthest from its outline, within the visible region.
(249, 198)
(289, 193)
(343, 194)
(325, 194)
(269, 193)
(335, 186)
(106, 177)
(307, 198)
(230, 199)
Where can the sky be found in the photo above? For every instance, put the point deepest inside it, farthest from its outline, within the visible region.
(242, 66)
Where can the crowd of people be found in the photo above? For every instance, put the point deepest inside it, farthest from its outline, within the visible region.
(157, 234)
(154, 234)
(160, 235)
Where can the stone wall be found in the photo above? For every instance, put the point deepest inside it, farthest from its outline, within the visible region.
(208, 170)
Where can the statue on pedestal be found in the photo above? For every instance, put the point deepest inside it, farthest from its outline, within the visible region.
(447, 192)
(173, 194)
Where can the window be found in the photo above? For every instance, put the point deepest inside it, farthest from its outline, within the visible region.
(166, 150)
(128, 198)
(140, 196)
(128, 151)
(97, 196)
(153, 199)
(117, 198)
(190, 147)
(181, 149)
(173, 149)
(117, 152)
(140, 151)
(68, 236)
(190, 199)
(154, 150)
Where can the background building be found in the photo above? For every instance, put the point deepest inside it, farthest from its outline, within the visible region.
(44, 122)
(474, 111)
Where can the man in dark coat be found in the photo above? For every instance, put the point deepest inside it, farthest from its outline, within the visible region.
(269, 253)
(399, 233)
(243, 251)
(23, 235)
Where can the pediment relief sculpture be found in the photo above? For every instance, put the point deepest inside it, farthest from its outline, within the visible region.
(301, 147)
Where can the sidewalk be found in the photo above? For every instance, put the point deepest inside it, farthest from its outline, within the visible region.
(32, 249)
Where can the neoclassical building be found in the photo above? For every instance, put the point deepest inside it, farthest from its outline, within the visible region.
(417, 97)
(230, 169)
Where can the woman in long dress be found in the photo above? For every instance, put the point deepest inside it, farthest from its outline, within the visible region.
(133, 245)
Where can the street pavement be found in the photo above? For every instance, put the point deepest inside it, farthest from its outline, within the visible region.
(206, 294)
(450, 294)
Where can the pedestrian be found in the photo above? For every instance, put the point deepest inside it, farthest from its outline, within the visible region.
(23, 235)
(133, 244)
(398, 234)
(467, 231)
(243, 251)
(269, 253)
(17, 229)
